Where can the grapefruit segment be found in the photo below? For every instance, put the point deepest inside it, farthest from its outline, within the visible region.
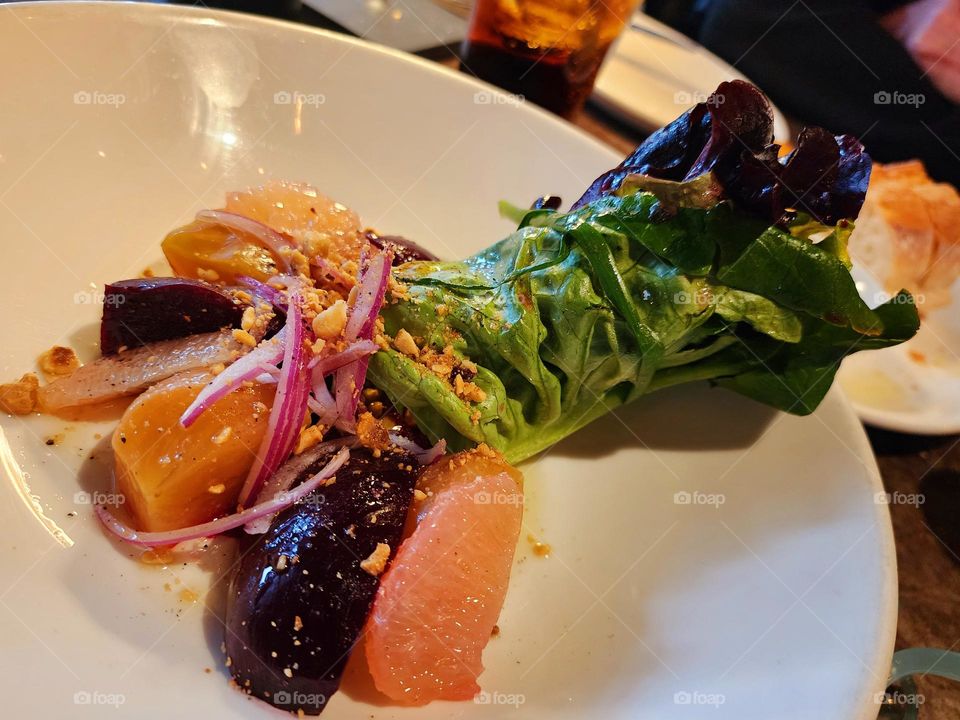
(438, 602)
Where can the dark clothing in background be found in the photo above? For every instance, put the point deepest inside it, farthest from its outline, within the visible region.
(831, 63)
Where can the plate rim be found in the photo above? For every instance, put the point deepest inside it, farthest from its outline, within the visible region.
(903, 422)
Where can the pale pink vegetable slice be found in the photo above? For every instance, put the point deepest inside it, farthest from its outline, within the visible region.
(133, 371)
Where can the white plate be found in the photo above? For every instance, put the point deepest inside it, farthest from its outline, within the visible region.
(411, 25)
(778, 603)
(652, 75)
(913, 387)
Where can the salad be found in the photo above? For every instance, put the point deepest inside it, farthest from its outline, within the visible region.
(350, 409)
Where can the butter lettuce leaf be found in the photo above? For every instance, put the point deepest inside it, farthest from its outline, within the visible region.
(707, 254)
(575, 314)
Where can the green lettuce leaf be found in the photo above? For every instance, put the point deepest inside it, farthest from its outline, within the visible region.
(575, 314)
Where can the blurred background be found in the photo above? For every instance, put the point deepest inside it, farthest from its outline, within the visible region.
(887, 71)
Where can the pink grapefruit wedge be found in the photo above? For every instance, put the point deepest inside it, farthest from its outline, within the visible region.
(439, 601)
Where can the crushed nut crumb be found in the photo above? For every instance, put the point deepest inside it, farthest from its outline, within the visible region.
(377, 562)
(20, 397)
(405, 343)
(329, 324)
(58, 361)
(308, 437)
(371, 433)
(248, 319)
(244, 338)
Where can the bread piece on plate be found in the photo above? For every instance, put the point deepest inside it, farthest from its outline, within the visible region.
(943, 203)
(908, 233)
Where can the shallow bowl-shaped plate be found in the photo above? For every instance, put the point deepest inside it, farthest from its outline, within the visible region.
(710, 557)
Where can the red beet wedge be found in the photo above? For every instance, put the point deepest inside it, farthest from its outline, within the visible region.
(302, 594)
(144, 310)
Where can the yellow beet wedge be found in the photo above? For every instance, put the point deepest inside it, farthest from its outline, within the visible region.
(172, 477)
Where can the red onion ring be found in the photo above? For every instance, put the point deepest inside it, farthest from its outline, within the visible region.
(269, 352)
(266, 236)
(287, 474)
(366, 301)
(332, 271)
(353, 351)
(221, 525)
(289, 404)
(322, 403)
(265, 292)
(426, 456)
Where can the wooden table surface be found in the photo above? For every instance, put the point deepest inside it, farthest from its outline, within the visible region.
(928, 468)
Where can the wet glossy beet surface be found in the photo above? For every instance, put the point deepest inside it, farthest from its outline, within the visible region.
(300, 596)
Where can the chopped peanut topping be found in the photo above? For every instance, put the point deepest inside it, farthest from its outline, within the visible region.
(20, 398)
(377, 562)
(468, 390)
(221, 437)
(244, 338)
(371, 433)
(248, 319)
(328, 325)
(405, 343)
(308, 438)
(58, 361)
(208, 275)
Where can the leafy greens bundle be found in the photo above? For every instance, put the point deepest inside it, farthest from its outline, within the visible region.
(701, 257)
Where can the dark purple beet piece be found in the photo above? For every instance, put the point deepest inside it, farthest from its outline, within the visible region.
(731, 135)
(299, 599)
(403, 250)
(145, 310)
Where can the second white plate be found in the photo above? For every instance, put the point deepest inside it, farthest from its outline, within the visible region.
(653, 73)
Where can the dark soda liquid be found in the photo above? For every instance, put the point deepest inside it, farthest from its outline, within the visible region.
(551, 79)
(549, 53)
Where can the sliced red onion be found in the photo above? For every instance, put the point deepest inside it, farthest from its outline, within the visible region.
(265, 236)
(322, 402)
(426, 456)
(366, 300)
(372, 285)
(353, 351)
(192, 546)
(280, 482)
(263, 291)
(289, 404)
(247, 367)
(335, 273)
(220, 525)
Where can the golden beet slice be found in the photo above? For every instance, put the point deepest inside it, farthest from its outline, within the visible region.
(172, 477)
(209, 251)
